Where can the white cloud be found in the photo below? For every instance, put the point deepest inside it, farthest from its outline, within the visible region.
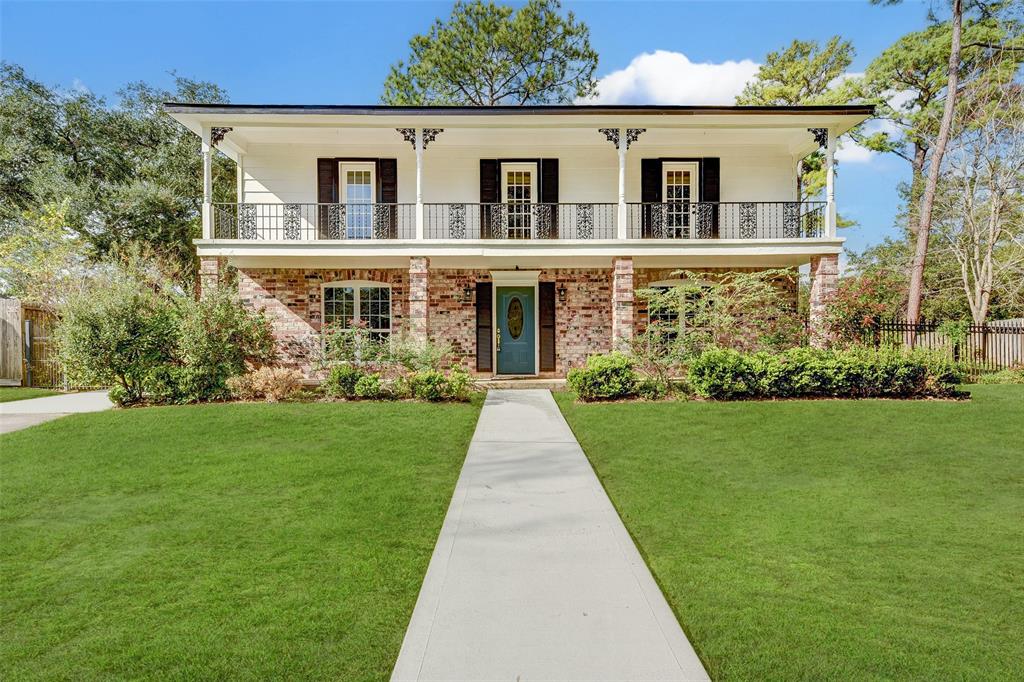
(78, 86)
(664, 77)
(851, 152)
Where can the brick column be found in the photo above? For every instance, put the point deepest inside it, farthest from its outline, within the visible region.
(824, 281)
(209, 274)
(622, 302)
(418, 274)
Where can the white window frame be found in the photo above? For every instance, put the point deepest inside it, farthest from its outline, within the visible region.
(694, 168)
(680, 281)
(357, 285)
(532, 169)
(361, 166)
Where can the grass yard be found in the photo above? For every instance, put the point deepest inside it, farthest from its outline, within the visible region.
(12, 393)
(221, 541)
(828, 540)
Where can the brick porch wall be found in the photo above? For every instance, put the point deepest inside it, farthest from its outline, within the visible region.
(291, 299)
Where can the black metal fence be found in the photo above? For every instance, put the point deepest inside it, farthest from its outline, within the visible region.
(981, 347)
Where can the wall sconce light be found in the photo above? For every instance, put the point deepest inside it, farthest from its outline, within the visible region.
(467, 294)
(561, 293)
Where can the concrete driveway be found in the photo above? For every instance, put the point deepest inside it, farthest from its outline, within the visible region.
(20, 414)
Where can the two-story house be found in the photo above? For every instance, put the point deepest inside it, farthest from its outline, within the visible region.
(517, 234)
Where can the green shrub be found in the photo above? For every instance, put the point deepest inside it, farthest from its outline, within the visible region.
(604, 377)
(1013, 375)
(651, 388)
(341, 381)
(808, 372)
(116, 333)
(370, 387)
(434, 385)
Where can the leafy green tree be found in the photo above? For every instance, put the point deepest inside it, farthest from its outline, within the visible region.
(487, 54)
(125, 176)
(804, 73)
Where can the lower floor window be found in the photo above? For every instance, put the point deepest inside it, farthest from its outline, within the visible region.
(364, 304)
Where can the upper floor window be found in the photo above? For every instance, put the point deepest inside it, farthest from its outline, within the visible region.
(366, 303)
(679, 188)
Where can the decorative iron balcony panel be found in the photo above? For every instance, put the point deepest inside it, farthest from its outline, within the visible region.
(576, 221)
(297, 222)
(726, 220)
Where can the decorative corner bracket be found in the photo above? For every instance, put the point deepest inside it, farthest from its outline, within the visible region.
(820, 136)
(217, 134)
(429, 135)
(612, 134)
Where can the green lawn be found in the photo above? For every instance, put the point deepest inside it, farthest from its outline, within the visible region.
(828, 540)
(8, 394)
(221, 541)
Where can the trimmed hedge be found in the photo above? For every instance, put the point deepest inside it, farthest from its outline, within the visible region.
(605, 377)
(722, 374)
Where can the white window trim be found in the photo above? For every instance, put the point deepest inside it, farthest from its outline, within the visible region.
(357, 285)
(691, 166)
(678, 281)
(530, 167)
(344, 166)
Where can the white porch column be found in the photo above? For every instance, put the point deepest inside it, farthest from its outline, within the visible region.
(419, 183)
(240, 179)
(830, 185)
(621, 227)
(207, 151)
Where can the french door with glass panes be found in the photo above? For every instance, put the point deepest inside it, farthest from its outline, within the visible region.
(519, 191)
(358, 186)
(679, 189)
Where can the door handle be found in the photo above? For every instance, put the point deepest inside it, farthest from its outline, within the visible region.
(499, 339)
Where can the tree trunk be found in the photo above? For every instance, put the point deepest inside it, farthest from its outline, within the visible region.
(916, 175)
(924, 224)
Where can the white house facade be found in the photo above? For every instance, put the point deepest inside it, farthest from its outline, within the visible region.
(517, 234)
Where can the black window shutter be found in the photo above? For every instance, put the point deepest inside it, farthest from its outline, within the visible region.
(710, 188)
(326, 192)
(489, 187)
(650, 191)
(546, 291)
(387, 193)
(549, 194)
(484, 291)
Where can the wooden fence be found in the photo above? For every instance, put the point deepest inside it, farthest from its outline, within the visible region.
(10, 342)
(981, 347)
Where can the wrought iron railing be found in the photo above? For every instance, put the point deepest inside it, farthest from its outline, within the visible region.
(286, 222)
(571, 221)
(726, 220)
(519, 221)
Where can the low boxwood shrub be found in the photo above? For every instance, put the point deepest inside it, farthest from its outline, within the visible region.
(611, 376)
(723, 374)
(434, 385)
(371, 387)
(341, 381)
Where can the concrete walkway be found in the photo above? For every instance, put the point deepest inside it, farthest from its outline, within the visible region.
(534, 577)
(20, 414)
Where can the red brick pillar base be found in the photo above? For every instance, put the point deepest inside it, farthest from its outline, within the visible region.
(622, 302)
(418, 272)
(209, 274)
(824, 281)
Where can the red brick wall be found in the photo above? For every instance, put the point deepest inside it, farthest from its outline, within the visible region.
(291, 298)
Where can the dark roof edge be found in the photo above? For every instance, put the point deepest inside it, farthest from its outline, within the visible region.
(548, 109)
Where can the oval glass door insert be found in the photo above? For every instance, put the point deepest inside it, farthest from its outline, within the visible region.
(515, 317)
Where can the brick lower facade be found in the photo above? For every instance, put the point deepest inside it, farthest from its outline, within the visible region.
(824, 282)
(585, 321)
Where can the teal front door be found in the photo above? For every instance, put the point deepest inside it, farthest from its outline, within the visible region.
(515, 340)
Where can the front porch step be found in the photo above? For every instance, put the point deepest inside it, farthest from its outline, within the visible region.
(521, 383)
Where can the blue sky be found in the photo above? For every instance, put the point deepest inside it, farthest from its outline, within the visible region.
(339, 52)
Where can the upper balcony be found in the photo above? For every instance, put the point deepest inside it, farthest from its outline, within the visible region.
(561, 180)
(522, 221)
